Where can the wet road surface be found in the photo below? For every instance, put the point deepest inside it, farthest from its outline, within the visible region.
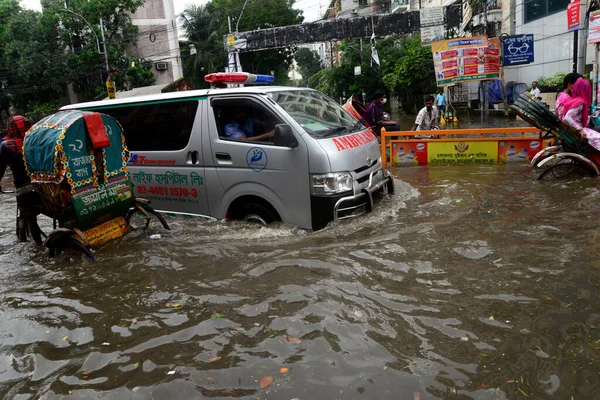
(473, 282)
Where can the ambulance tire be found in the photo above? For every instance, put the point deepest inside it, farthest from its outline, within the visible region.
(257, 213)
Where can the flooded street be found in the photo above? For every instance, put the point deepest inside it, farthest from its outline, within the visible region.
(494, 120)
(472, 282)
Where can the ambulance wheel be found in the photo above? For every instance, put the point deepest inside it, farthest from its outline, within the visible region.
(256, 213)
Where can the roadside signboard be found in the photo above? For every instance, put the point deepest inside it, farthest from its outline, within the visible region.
(432, 16)
(518, 49)
(573, 14)
(466, 59)
(432, 34)
(594, 33)
(432, 25)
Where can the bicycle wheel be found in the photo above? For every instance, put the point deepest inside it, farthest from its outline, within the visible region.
(565, 169)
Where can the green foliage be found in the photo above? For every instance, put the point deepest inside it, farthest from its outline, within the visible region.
(554, 81)
(202, 30)
(308, 64)
(37, 111)
(41, 52)
(133, 73)
(341, 81)
(406, 70)
(413, 74)
(206, 25)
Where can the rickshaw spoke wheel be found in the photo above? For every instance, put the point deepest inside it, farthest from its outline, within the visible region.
(564, 170)
(137, 220)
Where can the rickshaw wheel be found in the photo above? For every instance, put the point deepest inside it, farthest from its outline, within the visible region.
(565, 169)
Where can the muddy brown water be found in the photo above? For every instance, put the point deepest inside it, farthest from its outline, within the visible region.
(472, 282)
(406, 121)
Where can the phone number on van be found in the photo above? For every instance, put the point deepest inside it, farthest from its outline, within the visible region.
(163, 191)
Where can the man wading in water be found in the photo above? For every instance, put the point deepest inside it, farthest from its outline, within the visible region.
(11, 154)
(427, 117)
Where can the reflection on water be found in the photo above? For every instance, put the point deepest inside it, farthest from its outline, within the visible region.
(472, 282)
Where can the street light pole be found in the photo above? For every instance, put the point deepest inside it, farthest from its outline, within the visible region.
(104, 44)
(64, 10)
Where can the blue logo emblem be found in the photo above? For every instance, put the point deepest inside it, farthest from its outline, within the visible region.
(256, 158)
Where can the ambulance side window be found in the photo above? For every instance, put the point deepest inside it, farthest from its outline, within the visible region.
(248, 116)
(156, 127)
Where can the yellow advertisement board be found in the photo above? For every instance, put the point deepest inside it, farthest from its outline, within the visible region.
(472, 152)
(466, 59)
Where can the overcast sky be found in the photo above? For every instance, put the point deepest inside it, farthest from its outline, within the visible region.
(313, 9)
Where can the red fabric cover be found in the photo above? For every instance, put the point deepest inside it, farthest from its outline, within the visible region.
(96, 130)
(18, 125)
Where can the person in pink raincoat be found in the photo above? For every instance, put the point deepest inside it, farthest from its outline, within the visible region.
(576, 111)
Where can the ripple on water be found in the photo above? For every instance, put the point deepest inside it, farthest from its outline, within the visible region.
(470, 282)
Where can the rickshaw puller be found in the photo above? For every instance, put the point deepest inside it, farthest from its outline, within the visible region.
(11, 154)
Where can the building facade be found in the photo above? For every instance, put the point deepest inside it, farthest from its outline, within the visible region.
(157, 39)
(553, 45)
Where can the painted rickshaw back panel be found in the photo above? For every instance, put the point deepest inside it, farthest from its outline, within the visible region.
(78, 160)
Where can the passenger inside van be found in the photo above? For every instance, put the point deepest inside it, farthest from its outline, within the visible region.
(241, 127)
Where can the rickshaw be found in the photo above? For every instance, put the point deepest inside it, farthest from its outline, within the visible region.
(356, 109)
(359, 111)
(569, 154)
(77, 162)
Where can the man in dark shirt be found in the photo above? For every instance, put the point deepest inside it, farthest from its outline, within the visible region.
(374, 115)
(11, 154)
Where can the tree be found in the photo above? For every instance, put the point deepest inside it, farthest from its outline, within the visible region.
(29, 56)
(308, 64)
(206, 27)
(413, 75)
(201, 29)
(41, 52)
(341, 79)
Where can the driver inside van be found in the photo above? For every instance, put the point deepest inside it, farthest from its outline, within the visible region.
(241, 127)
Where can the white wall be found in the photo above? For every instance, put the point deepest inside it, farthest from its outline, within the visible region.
(158, 17)
(553, 46)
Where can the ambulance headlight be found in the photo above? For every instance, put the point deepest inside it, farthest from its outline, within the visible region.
(332, 183)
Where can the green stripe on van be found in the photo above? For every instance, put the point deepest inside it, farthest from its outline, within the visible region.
(143, 103)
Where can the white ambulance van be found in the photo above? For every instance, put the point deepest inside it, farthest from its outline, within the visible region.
(317, 164)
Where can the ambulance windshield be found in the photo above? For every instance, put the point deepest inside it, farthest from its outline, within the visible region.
(316, 113)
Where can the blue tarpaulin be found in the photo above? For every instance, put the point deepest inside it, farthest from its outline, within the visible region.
(513, 90)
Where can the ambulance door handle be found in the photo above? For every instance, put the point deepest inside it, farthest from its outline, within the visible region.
(223, 156)
(192, 157)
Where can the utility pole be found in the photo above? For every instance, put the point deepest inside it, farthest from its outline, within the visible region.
(575, 46)
(486, 82)
(504, 99)
(595, 80)
(104, 44)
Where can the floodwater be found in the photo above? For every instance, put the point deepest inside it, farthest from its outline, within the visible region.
(494, 120)
(472, 282)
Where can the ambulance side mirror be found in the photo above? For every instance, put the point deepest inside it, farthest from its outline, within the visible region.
(284, 136)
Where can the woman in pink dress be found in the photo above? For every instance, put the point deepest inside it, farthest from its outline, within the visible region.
(568, 82)
(576, 111)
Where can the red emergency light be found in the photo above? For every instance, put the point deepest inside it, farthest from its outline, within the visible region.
(238, 77)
